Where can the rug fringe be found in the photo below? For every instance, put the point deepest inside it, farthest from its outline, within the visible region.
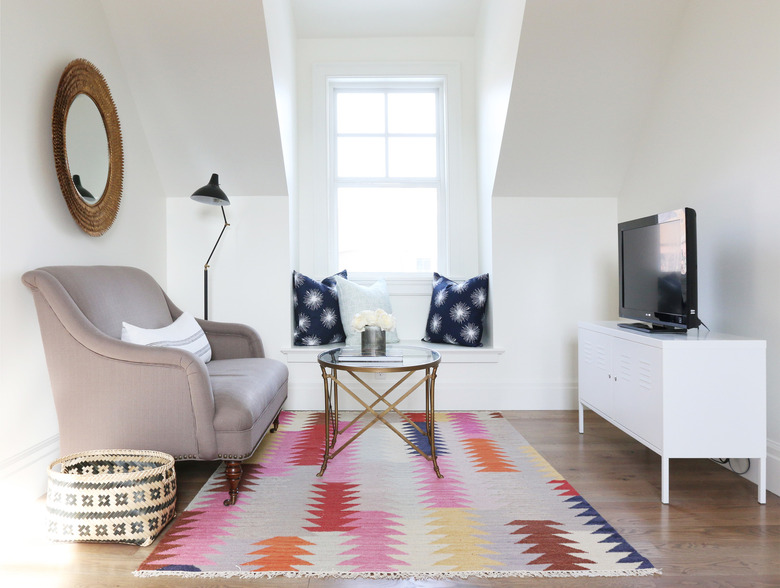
(405, 575)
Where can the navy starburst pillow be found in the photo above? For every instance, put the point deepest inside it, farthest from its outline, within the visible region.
(457, 313)
(316, 310)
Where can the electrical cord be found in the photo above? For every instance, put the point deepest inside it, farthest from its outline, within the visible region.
(727, 462)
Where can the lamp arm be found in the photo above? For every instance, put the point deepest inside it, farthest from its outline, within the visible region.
(206, 268)
(226, 225)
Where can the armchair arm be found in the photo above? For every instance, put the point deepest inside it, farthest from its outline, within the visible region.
(232, 340)
(227, 340)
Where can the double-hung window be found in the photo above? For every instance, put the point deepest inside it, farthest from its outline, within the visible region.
(387, 174)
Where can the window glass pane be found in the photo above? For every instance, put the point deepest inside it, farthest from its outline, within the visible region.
(412, 157)
(360, 157)
(387, 229)
(360, 113)
(411, 113)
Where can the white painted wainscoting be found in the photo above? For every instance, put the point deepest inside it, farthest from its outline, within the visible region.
(465, 380)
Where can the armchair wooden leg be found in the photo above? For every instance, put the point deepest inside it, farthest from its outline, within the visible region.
(275, 425)
(233, 473)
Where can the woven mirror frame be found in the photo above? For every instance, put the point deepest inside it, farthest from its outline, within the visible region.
(82, 77)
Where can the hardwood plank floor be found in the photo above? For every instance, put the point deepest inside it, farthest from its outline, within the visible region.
(712, 534)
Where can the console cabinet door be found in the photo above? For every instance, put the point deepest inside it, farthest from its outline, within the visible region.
(637, 395)
(594, 364)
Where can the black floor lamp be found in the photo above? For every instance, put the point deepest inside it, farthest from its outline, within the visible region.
(212, 194)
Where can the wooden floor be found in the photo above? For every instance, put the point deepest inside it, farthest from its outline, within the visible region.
(713, 533)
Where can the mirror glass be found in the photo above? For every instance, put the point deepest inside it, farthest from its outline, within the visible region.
(87, 143)
(87, 147)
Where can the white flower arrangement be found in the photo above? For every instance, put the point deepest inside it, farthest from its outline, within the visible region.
(373, 318)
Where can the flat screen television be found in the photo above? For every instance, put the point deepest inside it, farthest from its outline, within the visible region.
(657, 271)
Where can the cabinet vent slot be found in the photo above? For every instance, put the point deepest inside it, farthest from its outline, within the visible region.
(645, 375)
(624, 368)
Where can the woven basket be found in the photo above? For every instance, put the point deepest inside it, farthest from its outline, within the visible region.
(117, 496)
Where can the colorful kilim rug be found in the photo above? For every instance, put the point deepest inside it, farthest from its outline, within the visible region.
(380, 511)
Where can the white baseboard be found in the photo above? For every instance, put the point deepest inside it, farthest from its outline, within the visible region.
(310, 395)
(772, 467)
(23, 476)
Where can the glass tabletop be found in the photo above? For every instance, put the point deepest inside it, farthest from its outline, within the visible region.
(398, 358)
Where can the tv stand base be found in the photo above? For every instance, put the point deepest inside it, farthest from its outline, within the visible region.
(645, 328)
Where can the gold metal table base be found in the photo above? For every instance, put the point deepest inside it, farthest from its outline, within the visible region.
(332, 383)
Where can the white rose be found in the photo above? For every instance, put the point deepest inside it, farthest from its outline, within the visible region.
(361, 319)
(384, 321)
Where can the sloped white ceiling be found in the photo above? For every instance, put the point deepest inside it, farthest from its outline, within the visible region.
(584, 81)
(584, 77)
(200, 74)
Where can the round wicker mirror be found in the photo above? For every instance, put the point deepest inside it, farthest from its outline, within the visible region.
(94, 215)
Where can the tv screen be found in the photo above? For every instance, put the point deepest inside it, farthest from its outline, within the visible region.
(657, 271)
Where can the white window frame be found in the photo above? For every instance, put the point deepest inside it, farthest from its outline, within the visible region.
(458, 192)
(390, 84)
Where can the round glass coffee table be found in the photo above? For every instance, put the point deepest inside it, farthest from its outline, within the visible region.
(413, 367)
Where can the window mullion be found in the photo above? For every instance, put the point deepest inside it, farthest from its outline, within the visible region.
(387, 136)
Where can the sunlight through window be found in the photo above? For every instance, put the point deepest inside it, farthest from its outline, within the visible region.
(387, 175)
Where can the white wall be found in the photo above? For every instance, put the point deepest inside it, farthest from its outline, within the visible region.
(38, 39)
(712, 142)
(554, 264)
(249, 277)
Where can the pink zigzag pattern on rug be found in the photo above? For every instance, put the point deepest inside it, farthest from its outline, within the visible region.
(384, 511)
(342, 467)
(280, 459)
(373, 549)
(213, 521)
(446, 492)
(468, 425)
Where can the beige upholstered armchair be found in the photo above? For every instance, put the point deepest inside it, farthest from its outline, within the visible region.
(111, 394)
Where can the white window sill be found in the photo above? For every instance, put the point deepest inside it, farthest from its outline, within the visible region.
(449, 353)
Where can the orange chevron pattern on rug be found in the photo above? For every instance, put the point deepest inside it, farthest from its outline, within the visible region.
(501, 510)
(488, 456)
(281, 554)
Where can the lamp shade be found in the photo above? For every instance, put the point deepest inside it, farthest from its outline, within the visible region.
(211, 193)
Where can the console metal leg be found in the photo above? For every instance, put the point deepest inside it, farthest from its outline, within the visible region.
(664, 479)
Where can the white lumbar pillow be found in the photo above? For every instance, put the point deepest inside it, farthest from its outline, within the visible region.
(184, 333)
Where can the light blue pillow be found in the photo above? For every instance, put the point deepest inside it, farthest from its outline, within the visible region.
(354, 298)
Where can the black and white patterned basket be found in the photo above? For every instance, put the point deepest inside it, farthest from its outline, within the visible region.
(116, 495)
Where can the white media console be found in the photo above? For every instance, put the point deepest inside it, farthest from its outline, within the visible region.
(692, 395)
